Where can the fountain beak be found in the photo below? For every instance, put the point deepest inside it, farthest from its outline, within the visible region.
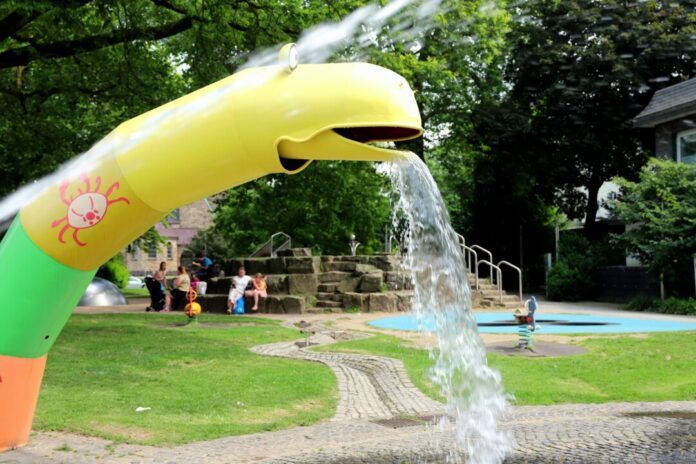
(352, 106)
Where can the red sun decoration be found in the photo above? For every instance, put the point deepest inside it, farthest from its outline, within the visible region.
(86, 208)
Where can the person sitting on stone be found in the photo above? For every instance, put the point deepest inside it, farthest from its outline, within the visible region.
(258, 290)
(182, 285)
(205, 267)
(237, 289)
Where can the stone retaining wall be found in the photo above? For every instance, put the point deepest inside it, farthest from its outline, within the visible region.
(299, 282)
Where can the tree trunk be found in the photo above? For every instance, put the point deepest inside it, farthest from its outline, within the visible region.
(591, 208)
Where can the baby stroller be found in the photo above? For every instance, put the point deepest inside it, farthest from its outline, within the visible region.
(156, 294)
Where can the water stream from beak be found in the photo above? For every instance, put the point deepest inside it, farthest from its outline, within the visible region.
(435, 264)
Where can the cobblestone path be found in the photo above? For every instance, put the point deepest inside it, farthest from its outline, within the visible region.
(369, 387)
(373, 388)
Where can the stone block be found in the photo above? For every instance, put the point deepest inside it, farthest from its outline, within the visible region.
(340, 266)
(296, 252)
(404, 301)
(293, 304)
(385, 262)
(334, 276)
(349, 284)
(302, 265)
(274, 304)
(371, 283)
(213, 303)
(302, 284)
(395, 280)
(276, 265)
(219, 285)
(383, 302)
(277, 283)
(355, 300)
(231, 267)
(256, 265)
(361, 269)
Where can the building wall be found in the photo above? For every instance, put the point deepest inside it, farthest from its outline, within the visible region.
(197, 216)
(665, 136)
(142, 262)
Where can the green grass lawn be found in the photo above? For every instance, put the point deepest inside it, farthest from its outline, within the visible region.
(659, 367)
(135, 292)
(200, 383)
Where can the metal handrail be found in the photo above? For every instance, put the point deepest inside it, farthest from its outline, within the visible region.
(273, 251)
(519, 274)
(468, 252)
(500, 276)
(490, 256)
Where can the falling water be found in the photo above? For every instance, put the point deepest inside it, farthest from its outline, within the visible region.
(435, 264)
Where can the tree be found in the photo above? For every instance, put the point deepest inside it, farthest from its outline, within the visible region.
(661, 212)
(72, 70)
(582, 69)
(319, 209)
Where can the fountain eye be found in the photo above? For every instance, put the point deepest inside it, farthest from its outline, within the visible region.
(288, 57)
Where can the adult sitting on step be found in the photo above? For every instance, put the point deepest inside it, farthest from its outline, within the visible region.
(237, 289)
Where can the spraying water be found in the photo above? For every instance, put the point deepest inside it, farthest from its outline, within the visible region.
(435, 264)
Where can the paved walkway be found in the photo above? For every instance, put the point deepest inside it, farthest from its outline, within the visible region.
(373, 388)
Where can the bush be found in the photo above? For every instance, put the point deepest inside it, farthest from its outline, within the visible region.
(643, 303)
(678, 306)
(114, 270)
(566, 283)
(668, 306)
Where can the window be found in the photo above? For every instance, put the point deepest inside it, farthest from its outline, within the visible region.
(686, 147)
(134, 251)
(152, 252)
(170, 250)
(174, 217)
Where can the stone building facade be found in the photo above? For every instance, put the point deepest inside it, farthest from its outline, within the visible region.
(183, 224)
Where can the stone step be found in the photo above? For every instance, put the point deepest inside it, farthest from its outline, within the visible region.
(278, 304)
(328, 304)
(482, 287)
(333, 276)
(341, 266)
(327, 288)
(329, 296)
(495, 304)
(494, 295)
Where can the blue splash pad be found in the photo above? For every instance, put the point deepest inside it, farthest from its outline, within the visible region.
(576, 324)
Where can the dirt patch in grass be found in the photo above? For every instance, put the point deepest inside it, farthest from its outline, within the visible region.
(136, 434)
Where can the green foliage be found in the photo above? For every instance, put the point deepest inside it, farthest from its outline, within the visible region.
(114, 270)
(670, 305)
(319, 209)
(661, 211)
(642, 303)
(572, 277)
(212, 244)
(579, 72)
